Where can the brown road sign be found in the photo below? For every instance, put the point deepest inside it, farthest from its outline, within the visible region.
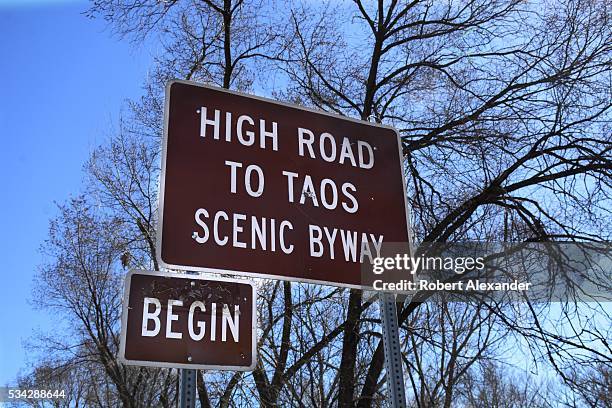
(188, 321)
(261, 188)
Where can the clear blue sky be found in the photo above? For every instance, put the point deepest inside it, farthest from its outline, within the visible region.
(64, 80)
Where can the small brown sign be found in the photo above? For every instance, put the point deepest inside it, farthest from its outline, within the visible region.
(187, 321)
(261, 188)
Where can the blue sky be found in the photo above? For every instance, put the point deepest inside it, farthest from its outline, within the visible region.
(65, 79)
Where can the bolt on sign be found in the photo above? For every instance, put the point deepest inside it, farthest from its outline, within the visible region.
(188, 321)
(261, 188)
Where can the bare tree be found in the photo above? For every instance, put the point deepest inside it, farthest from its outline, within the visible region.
(502, 105)
(594, 385)
(504, 111)
(489, 384)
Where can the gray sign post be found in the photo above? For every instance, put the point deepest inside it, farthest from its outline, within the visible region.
(187, 388)
(187, 382)
(393, 354)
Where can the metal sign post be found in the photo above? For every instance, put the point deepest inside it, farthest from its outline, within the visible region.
(187, 383)
(393, 355)
(187, 388)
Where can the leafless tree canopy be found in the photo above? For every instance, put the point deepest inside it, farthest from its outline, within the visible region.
(504, 111)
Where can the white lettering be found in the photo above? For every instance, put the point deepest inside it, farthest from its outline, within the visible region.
(260, 180)
(232, 323)
(201, 325)
(204, 121)
(349, 244)
(170, 317)
(146, 316)
(264, 133)
(251, 135)
(361, 145)
(236, 230)
(258, 232)
(283, 225)
(331, 238)
(303, 141)
(350, 209)
(198, 219)
(213, 322)
(330, 205)
(312, 229)
(346, 152)
(332, 144)
(290, 177)
(308, 191)
(219, 241)
(233, 166)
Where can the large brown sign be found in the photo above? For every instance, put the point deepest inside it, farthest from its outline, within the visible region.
(261, 188)
(188, 321)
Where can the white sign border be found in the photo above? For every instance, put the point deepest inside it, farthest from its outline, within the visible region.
(161, 192)
(161, 364)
